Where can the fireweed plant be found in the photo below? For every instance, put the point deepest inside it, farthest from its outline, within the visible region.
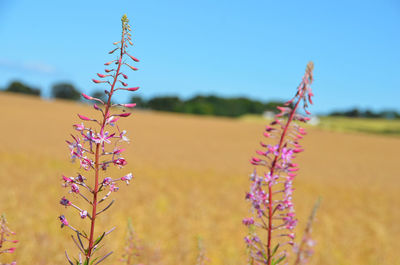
(270, 195)
(5, 241)
(96, 145)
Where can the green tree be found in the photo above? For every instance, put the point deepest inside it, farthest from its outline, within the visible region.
(19, 87)
(173, 104)
(65, 91)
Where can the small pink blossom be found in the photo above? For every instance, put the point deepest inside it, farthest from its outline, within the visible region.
(74, 188)
(248, 221)
(127, 178)
(120, 162)
(107, 181)
(83, 214)
(63, 220)
(114, 188)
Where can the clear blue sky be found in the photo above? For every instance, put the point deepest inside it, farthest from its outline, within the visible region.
(257, 49)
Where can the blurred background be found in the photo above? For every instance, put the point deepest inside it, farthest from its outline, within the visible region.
(211, 75)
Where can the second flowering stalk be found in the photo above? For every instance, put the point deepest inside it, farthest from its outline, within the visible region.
(272, 180)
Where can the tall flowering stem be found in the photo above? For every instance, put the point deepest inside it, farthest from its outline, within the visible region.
(271, 186)
(5, 241)
(96, 146)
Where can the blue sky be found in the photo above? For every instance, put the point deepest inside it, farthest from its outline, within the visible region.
(258, 49)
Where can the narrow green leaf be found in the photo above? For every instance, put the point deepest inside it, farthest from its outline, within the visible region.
(99, 239)
(274, 250)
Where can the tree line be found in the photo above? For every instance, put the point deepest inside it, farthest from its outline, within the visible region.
(200, 105)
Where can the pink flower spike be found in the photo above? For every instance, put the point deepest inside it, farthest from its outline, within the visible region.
(84, 118)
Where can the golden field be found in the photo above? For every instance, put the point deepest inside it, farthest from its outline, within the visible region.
(191, 175)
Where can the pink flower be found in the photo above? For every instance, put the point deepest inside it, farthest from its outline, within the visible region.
(74, 188)
(83, 214)
(120, 162)
(63, 220)
(127, 178)
(103, 137)
(79, 127)
(107, 181)
(123, 136)
(114, 188)
(248, 221)
(64, 201)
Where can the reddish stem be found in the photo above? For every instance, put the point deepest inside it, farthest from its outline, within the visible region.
(273, 166)
(97, 156)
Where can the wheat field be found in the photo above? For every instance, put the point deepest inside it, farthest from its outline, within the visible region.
(191, 175)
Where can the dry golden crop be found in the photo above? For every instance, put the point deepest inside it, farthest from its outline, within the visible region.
(191, 175)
